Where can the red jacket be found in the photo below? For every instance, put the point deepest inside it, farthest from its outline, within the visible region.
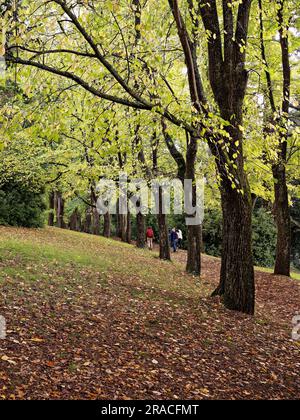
(150, 233)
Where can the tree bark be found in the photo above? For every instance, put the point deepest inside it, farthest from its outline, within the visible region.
(141, 230)
(51, 209)
(237, 273)
(237, 286)
(107, 225)
(59, 209)
(283, 222)
(75, 222)
(121, 224)
(96, 222)
(129, 229)
(282, 209)
(194, 250)
(195, 231)
(164, 244)
(87, 227)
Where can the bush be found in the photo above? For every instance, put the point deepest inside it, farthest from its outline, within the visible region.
(295, 213)
(212, 232)
(21, 206)
(264, 236)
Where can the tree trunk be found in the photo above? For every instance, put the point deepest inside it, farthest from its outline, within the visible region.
(164, 245)
(75, 222)
(237, 274)
(87, 227)
(283, 222)
(195, 231)
(281, 205)
(51, 209)
(141, 230)
(96, 222)
(121, 224)
(194, 250)
(59, 208)
(237, 285)
(107, 225)
(129, 228)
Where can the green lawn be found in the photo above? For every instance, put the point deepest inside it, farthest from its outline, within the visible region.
(294, 274)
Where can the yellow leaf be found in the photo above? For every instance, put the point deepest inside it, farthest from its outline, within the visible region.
(37, 340)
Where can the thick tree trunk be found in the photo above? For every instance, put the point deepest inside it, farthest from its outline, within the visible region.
(51, 209)
(237, 273)
(283, 222)
(237, 285)
(164, 244)
(107, 225)
(141, 230)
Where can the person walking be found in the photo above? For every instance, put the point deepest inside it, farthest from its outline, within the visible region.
(180, 238)
(174, 239)
(150, 238)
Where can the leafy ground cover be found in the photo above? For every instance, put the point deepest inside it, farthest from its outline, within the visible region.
(93, 318)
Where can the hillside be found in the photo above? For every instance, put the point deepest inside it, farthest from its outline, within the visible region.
(94, 318)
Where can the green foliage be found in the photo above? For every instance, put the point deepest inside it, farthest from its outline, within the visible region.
(212, 232)
(20, 206)
(264, 235)
(52, 130)
(295, 213)
(264, 238)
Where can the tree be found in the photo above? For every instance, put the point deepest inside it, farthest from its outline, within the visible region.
(227, 64)
(228, 79)
(277, 124)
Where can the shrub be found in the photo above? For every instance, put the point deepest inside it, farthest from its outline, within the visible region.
(212, 232)
(21, 206)
(264, 235)
(264, 238)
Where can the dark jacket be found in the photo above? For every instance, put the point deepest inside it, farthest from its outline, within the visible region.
(174, 236)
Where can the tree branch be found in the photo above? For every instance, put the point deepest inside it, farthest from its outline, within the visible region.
(195, 83)
(100, 57)
(56, 51)
(175, 153)
(80, 82)
(264, 58)
(209, 14)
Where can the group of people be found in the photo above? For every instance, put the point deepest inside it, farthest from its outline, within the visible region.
(176, 238)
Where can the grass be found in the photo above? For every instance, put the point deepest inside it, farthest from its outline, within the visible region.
(33, 252)
(294, 274)
(94, 318)
(35, 249)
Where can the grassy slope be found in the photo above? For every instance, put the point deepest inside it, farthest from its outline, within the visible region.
(94, 318)
(76, 251)
(294, 275)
